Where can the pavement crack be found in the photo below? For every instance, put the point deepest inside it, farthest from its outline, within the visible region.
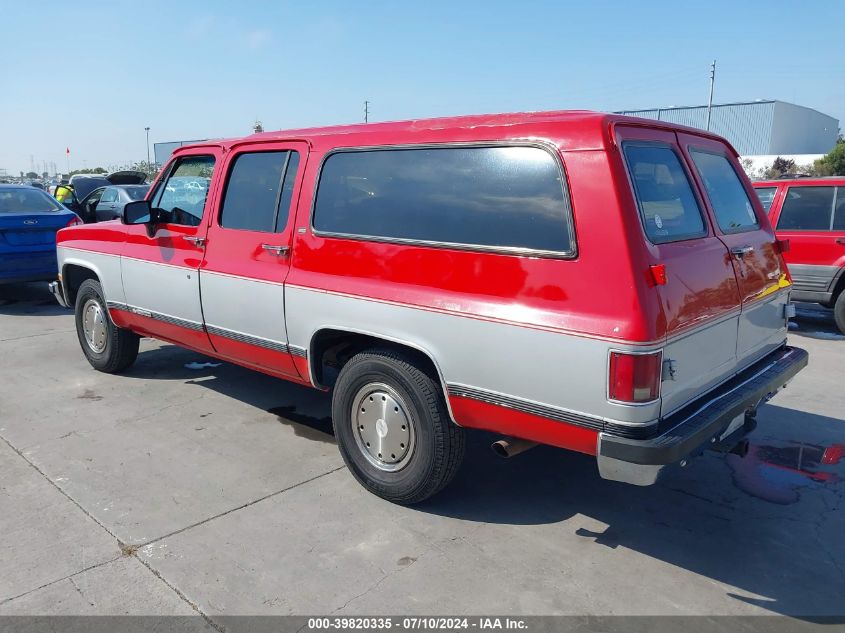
(240, 507)
(58, 580)
(79, 591)
(21, 338)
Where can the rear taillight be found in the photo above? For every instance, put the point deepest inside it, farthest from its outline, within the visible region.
(634, 377)
(74, 221)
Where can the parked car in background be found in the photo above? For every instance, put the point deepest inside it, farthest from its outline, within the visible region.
(29, 219)
(106, 203)
(810, 214)
(76, 192)
(599, 283)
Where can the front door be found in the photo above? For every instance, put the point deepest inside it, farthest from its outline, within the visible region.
(741, 226)
(247, 256)
(161, 271)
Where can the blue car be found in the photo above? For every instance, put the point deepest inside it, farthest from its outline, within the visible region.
(29, 219)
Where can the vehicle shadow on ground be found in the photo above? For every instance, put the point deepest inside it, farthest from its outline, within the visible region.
(815, 321)
(29, 299)
(769, 525)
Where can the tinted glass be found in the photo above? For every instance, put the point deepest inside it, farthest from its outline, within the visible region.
(109, 195)
(475, 196)
(253, 191)
(766, 196)
(182, 199)
(287, 192)
(807, 209)
(22, 200)
(136, 193)
(839, 213)
(664, 195)
(730, 202)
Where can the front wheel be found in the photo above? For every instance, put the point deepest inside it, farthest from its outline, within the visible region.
(393, 427)
(839, 311)
(108, 348)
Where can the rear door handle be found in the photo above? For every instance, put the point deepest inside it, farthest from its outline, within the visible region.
(841, 240)
(276, 250)
(195, 240)
(741, 251)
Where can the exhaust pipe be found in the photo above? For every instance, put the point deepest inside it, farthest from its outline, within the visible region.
(510, 446)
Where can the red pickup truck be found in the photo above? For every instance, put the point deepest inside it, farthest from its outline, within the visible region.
(810, 214)
(599, 283)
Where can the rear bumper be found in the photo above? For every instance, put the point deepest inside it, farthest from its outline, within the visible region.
(58, 291)
(700, 424)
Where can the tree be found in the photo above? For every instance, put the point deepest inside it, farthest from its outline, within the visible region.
(780, 168)
(832, 163)
(96, 170)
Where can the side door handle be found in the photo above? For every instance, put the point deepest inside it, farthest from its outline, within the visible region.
(841, 241)
(197, 241)
(742, 251)
(276, 250)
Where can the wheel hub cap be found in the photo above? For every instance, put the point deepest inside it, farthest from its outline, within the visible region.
(382, 427)
(94, 325)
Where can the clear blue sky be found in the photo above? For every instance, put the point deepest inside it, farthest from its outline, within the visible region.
(91, 76)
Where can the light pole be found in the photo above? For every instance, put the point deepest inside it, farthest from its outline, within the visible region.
(147, 130)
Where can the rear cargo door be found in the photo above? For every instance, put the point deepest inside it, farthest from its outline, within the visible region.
(699, 299)
(741, 224)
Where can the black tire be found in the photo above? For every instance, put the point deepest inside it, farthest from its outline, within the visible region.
(120, 346)
(435, 453)
(839, 311)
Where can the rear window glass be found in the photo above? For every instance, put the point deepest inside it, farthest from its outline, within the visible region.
(27, 201)
(665, 198)
(730, 202)
(136, 193)
(807, 209)
(766, 196)
(489, 197)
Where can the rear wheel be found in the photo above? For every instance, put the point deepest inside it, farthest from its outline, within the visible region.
(107, 347)
(393, 427)
(839, 311)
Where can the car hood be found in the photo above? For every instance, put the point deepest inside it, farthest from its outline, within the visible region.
(127, 177)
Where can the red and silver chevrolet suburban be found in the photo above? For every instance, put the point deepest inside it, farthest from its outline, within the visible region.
(599, 283)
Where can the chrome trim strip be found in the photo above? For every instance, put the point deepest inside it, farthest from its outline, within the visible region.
(615, 427)
(296, 350)
(240, 337)
(157, 316)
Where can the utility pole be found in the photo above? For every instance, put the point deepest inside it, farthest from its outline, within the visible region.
(710, 101)
(366, 112)
(147, 130)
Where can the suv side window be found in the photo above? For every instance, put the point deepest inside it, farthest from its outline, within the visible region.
(807, 209)
(182, 198)
(255, 197)
(731, 204)
(839, 210)
(668, 207)
(481, 198)
(109, 195)
(767, 196)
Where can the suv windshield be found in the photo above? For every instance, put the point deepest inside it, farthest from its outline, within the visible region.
(27, 201)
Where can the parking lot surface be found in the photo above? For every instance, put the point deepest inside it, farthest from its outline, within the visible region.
(189, 485)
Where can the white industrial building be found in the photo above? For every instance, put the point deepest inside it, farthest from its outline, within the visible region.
(757, 128)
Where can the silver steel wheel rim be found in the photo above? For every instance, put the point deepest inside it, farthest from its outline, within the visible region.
(94, 325)
(382, 426)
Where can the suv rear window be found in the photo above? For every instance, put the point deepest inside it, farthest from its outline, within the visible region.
(807, 209)
(479, 197)
(730, 202)
(667, 204)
